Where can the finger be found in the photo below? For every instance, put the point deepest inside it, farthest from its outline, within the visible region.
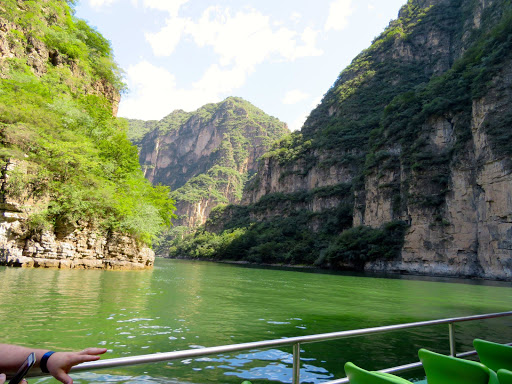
(23, 381)
(63, 377)
(2, 378)
(78, 359)
(93, 351)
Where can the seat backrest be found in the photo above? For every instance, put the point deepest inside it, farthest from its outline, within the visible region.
(505, 376)
(358, 375)
(442, 369)
(493, 355)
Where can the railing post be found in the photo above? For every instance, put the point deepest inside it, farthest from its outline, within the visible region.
(296, 364)
(452, 339)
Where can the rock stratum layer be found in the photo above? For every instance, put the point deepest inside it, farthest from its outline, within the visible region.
(78, 246)
(405, 166)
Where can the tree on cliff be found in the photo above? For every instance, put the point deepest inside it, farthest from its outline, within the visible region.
(65, 157)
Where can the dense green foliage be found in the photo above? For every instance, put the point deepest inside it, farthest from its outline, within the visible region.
(361, 244)
(287, 238)
(73, 157)
(290, 240)
(137, 129)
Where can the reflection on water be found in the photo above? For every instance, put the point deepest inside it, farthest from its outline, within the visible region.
(270, 364)
(185, 305)
(95, 378)
(69, 303)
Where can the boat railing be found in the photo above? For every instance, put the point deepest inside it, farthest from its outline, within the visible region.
(295, 343)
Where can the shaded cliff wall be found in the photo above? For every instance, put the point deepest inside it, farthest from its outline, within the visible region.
(469, 233)
(416, 124)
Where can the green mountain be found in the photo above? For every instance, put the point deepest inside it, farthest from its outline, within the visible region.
(71, 186)
(205, 156)
(403, 167)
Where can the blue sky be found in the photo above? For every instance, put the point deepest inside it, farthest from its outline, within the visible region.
(281, 55)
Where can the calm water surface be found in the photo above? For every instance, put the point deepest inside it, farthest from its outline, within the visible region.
(182, 305)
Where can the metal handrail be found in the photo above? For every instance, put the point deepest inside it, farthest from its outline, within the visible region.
(293, 341)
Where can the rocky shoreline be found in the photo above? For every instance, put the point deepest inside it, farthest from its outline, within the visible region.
(81, 249)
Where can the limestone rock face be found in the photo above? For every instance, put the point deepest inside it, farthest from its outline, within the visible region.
(474, 235)
(478, 233)
(81, 249)
(72, 246)
(274, 177)
(206, 155)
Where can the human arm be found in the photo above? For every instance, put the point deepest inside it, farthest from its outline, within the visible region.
(58, 364)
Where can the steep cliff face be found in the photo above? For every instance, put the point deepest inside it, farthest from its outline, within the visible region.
(470, 233)
(71, 191)
(206, 156)
(414, 137)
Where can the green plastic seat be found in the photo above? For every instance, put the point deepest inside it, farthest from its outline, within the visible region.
(442, 369)
(358, 375)
(493, 355)
(505, 376)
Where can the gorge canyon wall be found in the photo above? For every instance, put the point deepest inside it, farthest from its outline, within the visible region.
(418, 127)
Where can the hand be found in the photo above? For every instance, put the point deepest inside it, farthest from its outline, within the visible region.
(3, 378)
(60, 363)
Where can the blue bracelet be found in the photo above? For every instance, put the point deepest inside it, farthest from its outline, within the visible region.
(44, 361)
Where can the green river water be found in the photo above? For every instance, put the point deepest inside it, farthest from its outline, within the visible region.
(181, 305)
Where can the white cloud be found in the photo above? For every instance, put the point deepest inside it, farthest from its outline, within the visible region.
(150, 87)
(339, 12)
(299, 121)
(100, 3)
(170, 6)
(154, 92)
(217, 80)
(295, 96)
(249, 38)
(296, 17)
(241, 40)
(164, 42)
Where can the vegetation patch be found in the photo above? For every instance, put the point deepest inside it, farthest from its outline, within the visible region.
(78, 155)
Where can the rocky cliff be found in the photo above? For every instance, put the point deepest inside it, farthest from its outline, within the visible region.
(205, 156)
(78, 245)
(405, 166)
(71, 191)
